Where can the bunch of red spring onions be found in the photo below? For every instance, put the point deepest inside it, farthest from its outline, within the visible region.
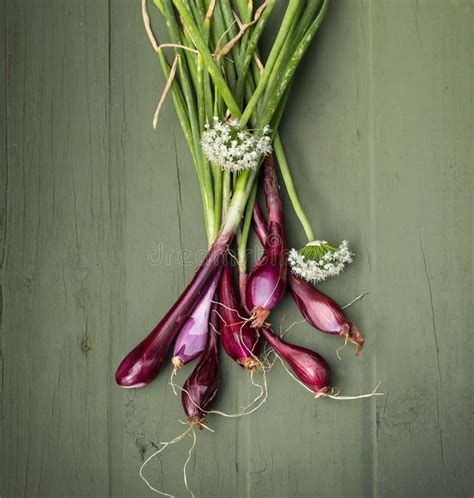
(229, 101)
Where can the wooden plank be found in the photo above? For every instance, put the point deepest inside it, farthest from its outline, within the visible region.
(58, 283)
(3, 131)
(422, 159)
(164, 239)
(104, 224)
(3, 192)
(307, 447)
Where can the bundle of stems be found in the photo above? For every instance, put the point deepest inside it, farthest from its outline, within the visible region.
(229, 100)
(216, 71)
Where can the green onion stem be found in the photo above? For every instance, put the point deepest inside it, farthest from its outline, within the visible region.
(212, 67)
(204, 175)
(180, 107)
(222, 39)
(218, 188)
(254, 38)
(292, 12)
(226, 191)
(290, 187)
(277, 90)
(245, 229)
(266, 97)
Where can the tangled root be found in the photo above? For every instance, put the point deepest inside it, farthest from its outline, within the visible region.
(351, 333)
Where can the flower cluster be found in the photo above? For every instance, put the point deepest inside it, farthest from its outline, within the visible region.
(318, 260)
(228, 147)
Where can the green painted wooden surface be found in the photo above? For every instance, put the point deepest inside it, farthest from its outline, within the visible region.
(380, 132)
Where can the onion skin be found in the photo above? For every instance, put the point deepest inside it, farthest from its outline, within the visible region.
(201, 386)
(144, 362)
(266, 283)
(319, 310)
(310, 367)
(192, 338)
(239, 339)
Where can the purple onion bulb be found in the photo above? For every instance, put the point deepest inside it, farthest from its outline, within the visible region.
(202, 385)
(239, 339)
(310, 367)
(192, 338)
(144, 362)
(319, 310)
(266, 283)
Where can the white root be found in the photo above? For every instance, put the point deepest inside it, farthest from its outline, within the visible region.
(360, 396)
(157, 452)
(172, 384)
(290, 374)
(230, 309)
(263, 394)
(340, 348)
(331, 395)
(350, 303)
(186, 463)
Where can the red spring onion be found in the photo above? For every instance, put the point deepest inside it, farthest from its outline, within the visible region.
(202, 385)
(319, 310)
(239, 339)
(192, 339)
(143, 363)
(310, 367)
(266, 283)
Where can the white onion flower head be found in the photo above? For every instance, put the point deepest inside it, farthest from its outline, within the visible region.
(318, 260)
(228, 147)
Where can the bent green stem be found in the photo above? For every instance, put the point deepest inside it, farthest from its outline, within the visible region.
(290, 187)
(244, 232)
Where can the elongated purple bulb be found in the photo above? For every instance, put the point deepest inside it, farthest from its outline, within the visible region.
(202, 385)
(319, 310)
(192, 338)
(266, 283)
(310, 367)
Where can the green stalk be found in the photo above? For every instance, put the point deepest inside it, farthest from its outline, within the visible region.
(218, 189)
(246, 17)
(201, 103)
(226, 190)
(243, 7)
(284, 168)
(271, 103)
(251, 47)
(275, 94)
(292, 41)
(236, 208)
(221, 29)
(212, 67)
(180, 106)
(293, 10)
(208, 99)
(244, 233)
(305, 20)
(290, 187)
(231, 26)
(190, 58)
(196, 11)
(189, 96)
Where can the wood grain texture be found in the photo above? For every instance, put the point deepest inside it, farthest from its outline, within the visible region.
(58, 276)
(104, 229)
